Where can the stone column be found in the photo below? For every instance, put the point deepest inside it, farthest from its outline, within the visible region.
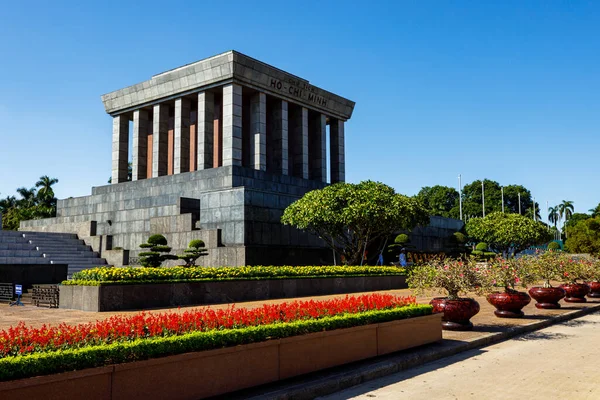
(140, 144)
(120, 148)
(277, 160)
(318, 147)
(337, 150)
(300, 152)
(160, 140)
(205, 129)
(181, 159)
(232, 124)
(258, 132)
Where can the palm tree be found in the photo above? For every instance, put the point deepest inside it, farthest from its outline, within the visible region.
(45, 184)
(565, 209)
(7, 203)
(553, 215)
(595, 211)
(27, 197)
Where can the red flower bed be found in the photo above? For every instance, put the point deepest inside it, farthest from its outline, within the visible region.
(22, 339)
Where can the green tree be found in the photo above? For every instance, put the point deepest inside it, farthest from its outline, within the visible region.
(502, 231)
(585, 237)
(595, 211)
(553, 215)
(565, 211)
(440, 201)
(157, 244)
(472, 199)
(577, 218)
(195, 250)
(349, 217)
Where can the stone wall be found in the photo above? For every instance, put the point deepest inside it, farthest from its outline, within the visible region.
(231, 208)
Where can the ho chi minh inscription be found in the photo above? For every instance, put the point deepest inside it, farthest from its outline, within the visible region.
(300, 90)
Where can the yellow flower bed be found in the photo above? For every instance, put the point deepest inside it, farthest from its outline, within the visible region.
(107, 275)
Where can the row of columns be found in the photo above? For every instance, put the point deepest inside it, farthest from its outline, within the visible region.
(293, 133)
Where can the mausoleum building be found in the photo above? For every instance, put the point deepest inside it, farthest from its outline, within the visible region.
(220, 148)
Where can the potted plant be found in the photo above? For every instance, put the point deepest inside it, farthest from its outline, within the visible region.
(457, 278)
(508, 273)
(574, 270)
(546, 267)
(594, 282)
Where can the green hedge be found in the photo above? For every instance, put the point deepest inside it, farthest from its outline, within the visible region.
(132, 275)
(45, 363)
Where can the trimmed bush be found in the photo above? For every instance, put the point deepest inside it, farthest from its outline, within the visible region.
(130, 275)
(195, 250)
(553, 246)
(481, 246)
(155, 257)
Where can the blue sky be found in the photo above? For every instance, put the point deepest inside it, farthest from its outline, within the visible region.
(505, 90)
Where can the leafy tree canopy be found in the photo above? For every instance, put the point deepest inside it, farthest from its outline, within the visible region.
(585, 237)
(472, 199)
(577, 218)
(440, 201)
(33, 203)
(349, 216)
(502, 231)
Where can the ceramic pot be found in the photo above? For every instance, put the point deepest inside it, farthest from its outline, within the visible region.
(576, 292)
(457, 313)
(594, 289)
(547, 298)
(508, 304)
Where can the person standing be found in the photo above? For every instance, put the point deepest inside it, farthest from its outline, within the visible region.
(380, 259)
(402, 258)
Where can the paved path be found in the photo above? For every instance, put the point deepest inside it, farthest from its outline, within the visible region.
(562, 361)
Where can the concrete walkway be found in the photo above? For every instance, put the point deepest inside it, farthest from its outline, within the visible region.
(562, 361)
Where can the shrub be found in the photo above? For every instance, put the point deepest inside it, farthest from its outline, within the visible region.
(194, 251)
(154, 258)
(131, 275)
(481, 246)
(553, 246)
(460, 237)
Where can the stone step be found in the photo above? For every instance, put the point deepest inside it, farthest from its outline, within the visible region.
(16, 246)
(24, 260)
(11, 233)
(78, 261)
(48, 235)
(40, 242)
(67, 248)
(12, 239)
(65, 254)
(19, 253)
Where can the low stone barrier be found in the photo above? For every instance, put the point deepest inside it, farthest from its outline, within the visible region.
(156, 295)
(215, 372)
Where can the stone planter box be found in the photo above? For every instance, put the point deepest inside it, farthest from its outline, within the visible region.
(144, 296)
(216, 372)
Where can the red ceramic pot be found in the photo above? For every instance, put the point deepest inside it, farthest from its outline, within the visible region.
(576, 292)
(547, 298)
(594, 289)
(457, 313)
(508, 304)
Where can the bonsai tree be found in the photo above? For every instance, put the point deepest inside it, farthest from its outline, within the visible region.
(505, 232)
(456, 277)
(195, 250)
(481, 252)
(575, 269)
(157, 244)
(350, 217)
(545, 267)
(508, 273)
(400, 241)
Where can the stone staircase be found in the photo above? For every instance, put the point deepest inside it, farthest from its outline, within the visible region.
(47, 248)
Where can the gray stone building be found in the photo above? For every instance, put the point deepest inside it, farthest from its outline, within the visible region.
(220, 148)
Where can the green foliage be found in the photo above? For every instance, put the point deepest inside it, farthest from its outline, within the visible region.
(577, 218)
(460, 237)
(440, 201)
(33, 203)
(456, 277)
(503, 231)
(18, 367)
(481, 246)
(132, 275)
(585, 237)
(472, 201)
(553, 246)
(350, 217)
(154, 258)
(194, 251)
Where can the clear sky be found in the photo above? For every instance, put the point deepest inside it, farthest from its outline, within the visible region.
(505, 90)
